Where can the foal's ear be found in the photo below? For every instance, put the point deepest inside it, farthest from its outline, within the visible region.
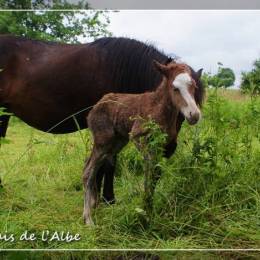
(161, 68)
(199, 73)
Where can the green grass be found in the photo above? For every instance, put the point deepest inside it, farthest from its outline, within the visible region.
(208, 196)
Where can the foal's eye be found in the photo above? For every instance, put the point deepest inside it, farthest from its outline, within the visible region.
(175, 89)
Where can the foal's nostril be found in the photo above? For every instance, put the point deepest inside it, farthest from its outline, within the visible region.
(194, 118)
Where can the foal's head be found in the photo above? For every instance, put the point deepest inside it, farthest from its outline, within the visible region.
(183, 87)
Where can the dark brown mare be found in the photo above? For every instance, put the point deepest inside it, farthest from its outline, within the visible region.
(43, 83)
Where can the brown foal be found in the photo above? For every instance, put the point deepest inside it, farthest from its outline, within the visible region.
(116, 117)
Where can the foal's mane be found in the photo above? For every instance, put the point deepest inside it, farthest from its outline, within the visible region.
(131, 65)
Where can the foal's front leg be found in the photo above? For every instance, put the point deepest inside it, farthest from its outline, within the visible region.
(89, 179)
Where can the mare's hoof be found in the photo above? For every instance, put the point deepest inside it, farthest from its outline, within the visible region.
(109, 201)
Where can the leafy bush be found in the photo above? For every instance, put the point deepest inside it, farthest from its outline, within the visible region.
(251, 80)
(211, 184)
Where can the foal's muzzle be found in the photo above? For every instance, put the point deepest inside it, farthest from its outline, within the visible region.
(193, 118)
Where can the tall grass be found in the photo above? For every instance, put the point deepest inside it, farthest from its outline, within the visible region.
(208, 196)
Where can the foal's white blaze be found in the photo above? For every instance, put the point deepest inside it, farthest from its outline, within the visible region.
(191, 110)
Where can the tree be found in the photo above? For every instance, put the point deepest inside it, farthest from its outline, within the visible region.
(225, 77)
(205, 78)
(251, 80)
(62, 26)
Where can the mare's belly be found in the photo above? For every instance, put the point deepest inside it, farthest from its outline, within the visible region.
(52, 121)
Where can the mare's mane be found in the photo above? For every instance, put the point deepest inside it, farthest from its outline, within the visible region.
(131, 65)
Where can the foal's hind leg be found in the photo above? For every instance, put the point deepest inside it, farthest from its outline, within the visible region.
(89, 180)
(109, 169)
(100, 153)
(99, 178)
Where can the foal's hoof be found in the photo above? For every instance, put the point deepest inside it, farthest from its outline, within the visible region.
(88, 222)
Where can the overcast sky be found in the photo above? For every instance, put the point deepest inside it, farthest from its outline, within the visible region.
(200, 38)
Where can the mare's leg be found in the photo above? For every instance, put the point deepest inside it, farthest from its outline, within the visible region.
(3, 127)
(108, 191)
(170, 149)
(106, 173)
(4, 124)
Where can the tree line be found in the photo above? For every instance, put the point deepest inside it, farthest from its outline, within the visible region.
(225, 77)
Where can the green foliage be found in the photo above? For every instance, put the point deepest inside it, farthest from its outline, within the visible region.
(226, 77)
(153, 141)
(205, 78)
(3, 112)
(208, 195)
(151, 146)
(62, 26)
(251, 80)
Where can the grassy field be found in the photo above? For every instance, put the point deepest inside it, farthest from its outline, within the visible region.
(208, 196)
